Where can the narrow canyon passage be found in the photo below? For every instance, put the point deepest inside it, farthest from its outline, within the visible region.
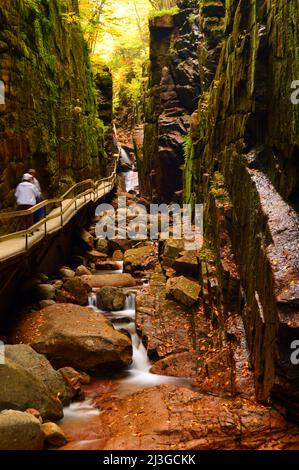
(149, 227)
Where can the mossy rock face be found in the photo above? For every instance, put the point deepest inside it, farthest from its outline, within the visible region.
(49, 120)
(171, 251)
(242, 162)
(184, 290)
(170, 99)
(142, 258)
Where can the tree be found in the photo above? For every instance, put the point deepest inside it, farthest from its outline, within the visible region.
(163, 4)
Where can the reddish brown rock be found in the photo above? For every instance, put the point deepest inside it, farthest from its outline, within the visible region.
(140, 259)
(117, 255)
(73, 291)
(177, 365)
(184, 290)
(82, 270)
(165, 325)
(176, 418)
(75, 380)
(114, 280)
(70, 335)
(108, 266)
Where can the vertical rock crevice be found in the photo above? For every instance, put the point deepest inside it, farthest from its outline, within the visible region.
(242, 162)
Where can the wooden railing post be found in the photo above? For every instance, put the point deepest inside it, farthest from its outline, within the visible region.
(61, 214)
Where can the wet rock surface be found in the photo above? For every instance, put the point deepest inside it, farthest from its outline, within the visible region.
(111, 298)
(169, 417)
(140, 259)
(74, 336)
(20, 431)
(113, 280)
(31, 382)
(184, 290)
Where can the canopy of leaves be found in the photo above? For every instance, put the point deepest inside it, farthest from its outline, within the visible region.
(117, 34)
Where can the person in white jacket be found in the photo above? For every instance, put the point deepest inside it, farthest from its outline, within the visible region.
(39, 214)
(26, 195)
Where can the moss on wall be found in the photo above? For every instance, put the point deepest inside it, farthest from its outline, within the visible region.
(49, 120)
(247, 133)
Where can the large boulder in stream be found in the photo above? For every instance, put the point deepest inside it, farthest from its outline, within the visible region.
(29, 381)
(140, 259)
(73, 291)
(111, 299)
(20, 431)
(70, 335)
(112, 280)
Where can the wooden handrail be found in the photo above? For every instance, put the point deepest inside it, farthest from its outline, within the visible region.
(92, 191)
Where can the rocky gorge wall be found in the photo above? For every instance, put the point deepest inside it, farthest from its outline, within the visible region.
(49, 120)
(171, 97)
(242, 162)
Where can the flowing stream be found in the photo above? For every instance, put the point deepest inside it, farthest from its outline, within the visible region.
(136, 377)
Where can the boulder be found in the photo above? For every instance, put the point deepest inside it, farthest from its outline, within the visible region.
(102, 245)
(70, 335)
(21, 390)
(40, 368)
(58, 284)
(66, 273)
(108, 266)
(121, 244)
(74, 291)
(139, 259)
(20, 431)
(82, 270)
(183, 290)
(75, 380)
(171, 251)
(117, 255)
(187, 264)
(111, 299)
(114, 280)
(86, 239)
(53, 434)
(95, 255)
(46, 303)
(44, 292)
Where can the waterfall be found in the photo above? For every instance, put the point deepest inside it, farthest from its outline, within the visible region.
(124, 158)
(130, 302)
(93, 301)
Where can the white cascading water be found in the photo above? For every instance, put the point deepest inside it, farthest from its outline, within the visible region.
(93, 301)
(80, 411)
(124, 158)
(138, 374)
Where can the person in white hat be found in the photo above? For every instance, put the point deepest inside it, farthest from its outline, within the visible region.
(39, 214)
(26, 195)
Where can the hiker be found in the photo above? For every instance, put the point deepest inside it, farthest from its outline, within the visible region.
(39, 214)
(26, 195)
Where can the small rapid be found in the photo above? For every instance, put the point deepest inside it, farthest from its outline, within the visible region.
(138, 376)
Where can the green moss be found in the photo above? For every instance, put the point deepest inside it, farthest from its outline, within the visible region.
(164, 12)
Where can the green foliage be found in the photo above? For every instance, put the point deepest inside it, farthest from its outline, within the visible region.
(164, 12)
(187, 146)
(163, 4)
(117, 34)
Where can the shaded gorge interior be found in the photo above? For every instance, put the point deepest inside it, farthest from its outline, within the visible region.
(142, 344)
